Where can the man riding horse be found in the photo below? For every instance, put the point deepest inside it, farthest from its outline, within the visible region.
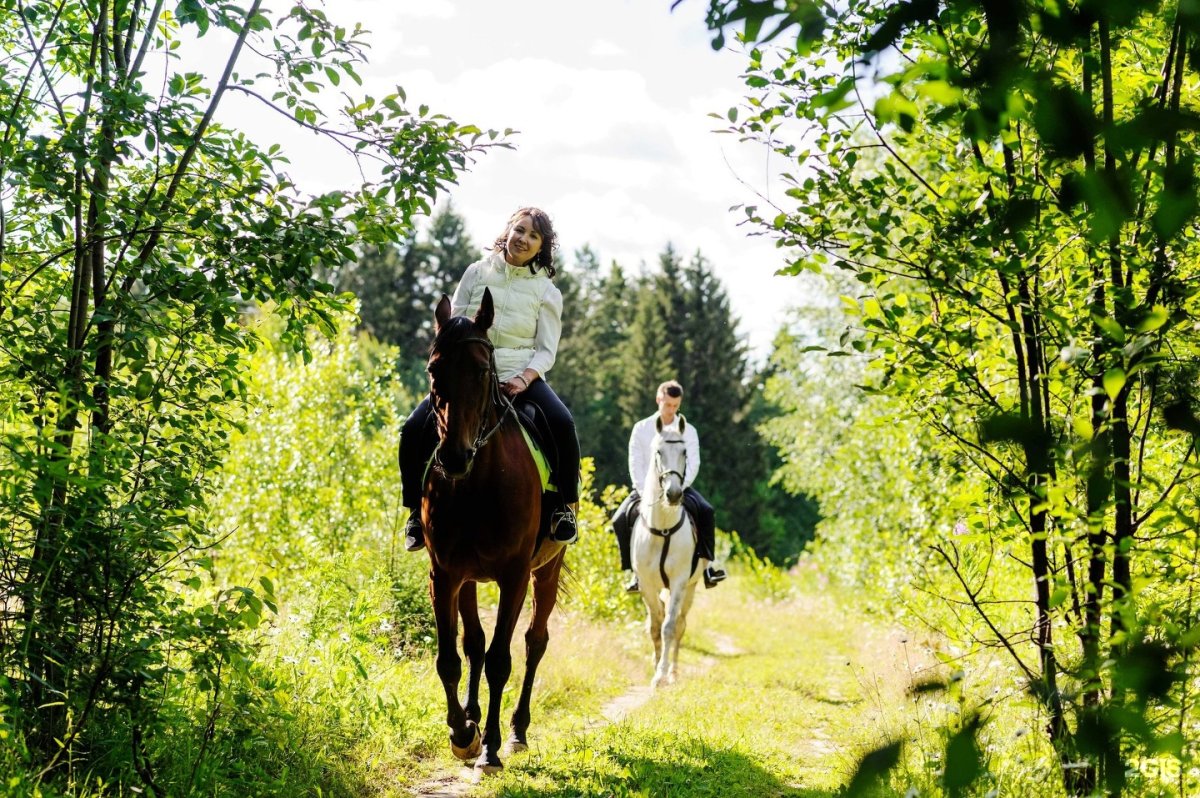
(669, 398)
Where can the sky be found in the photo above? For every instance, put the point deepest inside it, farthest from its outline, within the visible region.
(611, 99)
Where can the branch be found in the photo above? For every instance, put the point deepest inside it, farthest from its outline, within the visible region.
(177, 179)
(884, 142)
(1029, 674)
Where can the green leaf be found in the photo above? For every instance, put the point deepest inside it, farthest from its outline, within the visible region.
(1110, 327)
(1156, 318)
(145, 385)
(835, 100)
(1114, 381)
(897, 109)
(940, 92)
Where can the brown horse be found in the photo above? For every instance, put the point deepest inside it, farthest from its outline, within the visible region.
(482, 510)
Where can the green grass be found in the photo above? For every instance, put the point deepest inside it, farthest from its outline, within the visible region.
(772, 700)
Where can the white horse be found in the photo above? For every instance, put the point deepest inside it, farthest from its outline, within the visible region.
(663, 545)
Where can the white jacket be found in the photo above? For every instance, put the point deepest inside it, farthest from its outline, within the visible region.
(528, 313)
(639, 450)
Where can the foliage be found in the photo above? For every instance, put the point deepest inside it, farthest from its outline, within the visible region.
(871, 467)
(136, 226)
(1012, 187)
(397, 286)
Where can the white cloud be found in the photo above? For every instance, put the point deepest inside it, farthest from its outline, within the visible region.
(425, 9)
(604, 48)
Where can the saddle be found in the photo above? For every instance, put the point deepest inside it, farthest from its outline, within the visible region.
(540, 440)
(630, 517)
(535, 424)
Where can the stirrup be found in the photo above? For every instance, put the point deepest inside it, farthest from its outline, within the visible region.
(713, 576)
(632, 585)
(414, 533)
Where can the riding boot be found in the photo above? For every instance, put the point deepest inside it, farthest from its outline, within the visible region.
(620, 528)
(563, 524)
(713, 575)
(418, 440)
(706, 541)
(414, 532)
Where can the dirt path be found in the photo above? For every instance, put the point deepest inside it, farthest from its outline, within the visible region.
(840, 675)
(457, 782)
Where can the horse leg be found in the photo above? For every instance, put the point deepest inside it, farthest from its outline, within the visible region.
(498, 666)
(473, 643)
(689, 593)
(654, 623)
(537, 637)
(672, 631)
(464, 733)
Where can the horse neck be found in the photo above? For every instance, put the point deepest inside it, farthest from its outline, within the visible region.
(659, 513)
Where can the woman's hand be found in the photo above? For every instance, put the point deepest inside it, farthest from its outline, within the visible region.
(514, 386)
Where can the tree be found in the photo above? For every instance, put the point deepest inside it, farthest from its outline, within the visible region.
(1013, 186)
(589, 373)
(385, 279)
(134, 227)
(397, 286)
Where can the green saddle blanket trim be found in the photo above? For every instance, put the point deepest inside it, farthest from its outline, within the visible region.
(539, 459)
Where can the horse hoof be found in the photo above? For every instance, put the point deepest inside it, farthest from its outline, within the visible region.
(488, 764)
(471, 749)
(515, 746)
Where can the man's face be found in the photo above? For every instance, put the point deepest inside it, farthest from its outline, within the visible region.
(668, 406)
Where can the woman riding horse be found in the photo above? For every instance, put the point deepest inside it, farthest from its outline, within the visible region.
(481, 516)
(525, 333)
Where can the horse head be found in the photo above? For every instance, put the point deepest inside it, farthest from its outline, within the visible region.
(670, 460)
(462, 383)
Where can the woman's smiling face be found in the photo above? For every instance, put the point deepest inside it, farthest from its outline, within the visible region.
(523, 243)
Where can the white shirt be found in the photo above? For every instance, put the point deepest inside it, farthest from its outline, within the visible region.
(639, 450)
(528, 307)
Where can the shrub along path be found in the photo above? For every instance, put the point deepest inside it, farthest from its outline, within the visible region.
(775, 698)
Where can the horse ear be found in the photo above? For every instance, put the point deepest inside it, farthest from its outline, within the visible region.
(658, 422)
(442, 314)
(486, 313)
(682, 422)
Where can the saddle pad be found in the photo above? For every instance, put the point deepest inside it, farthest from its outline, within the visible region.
(539, 458)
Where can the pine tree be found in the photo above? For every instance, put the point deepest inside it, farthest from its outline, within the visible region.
(589, 372)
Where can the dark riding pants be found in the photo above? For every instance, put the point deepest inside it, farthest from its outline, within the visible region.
(418, 439)
(693, 502)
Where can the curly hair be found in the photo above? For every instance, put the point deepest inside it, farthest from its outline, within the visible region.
(541, 222)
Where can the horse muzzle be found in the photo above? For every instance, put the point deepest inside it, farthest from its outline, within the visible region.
(454, 464)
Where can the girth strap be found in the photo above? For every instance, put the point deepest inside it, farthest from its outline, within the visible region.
(666, 535)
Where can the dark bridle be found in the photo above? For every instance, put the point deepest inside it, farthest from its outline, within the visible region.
(664, 475)
(493, 397)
